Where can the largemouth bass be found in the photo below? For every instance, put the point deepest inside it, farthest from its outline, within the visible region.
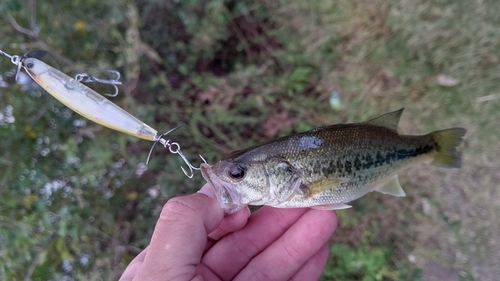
(327, 167)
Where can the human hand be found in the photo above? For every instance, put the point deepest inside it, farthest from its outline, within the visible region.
(193, 240)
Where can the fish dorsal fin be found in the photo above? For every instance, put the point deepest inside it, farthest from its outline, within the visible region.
(389, 120)
(392, 187)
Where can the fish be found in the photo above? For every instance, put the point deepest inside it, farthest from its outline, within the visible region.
(328, 167)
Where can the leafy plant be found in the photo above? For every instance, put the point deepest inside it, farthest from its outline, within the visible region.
(77, 201)
(362, 262)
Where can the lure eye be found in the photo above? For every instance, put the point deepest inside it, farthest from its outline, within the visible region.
(30, 65)
(237, 172)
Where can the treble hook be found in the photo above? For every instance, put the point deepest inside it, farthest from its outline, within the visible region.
(82, 77)
(16, 60)
(175, 148)
(87, 78)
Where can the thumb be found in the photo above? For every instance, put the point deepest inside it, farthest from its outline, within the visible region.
(180, 237)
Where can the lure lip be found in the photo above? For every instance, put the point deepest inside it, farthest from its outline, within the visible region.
(228, 199)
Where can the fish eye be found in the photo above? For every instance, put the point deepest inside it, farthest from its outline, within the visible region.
(30, 65)
(237, 172)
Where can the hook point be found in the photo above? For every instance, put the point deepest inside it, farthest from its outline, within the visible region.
(87, 78)
(203, 159)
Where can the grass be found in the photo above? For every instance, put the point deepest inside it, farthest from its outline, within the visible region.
(237, 73)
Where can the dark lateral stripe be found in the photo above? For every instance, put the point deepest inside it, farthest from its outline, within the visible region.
(348, 167)
(369, 160)
(357, 163)
(407, 153)
(380, 159)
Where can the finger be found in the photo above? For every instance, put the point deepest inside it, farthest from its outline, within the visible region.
(232, 253)
(134, 266)
(179, 238)
(293, 249)
(313, 268)
(208, 190)
(206, 273)
(231, 223)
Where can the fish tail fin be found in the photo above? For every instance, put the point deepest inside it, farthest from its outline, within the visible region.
(447, 141)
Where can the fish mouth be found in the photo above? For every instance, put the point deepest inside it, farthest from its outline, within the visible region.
(226, 194)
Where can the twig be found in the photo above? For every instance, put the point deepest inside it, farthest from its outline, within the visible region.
(62, 59)
(32, 266)
(32, 14)
(16, 26)
(33, 33)
(487, 98)
(134, 249)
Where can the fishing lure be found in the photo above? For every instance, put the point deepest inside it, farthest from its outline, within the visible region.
(93, 106)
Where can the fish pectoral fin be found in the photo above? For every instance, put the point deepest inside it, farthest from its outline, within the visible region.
(392, 187)
(321, 185)
(389, 120)
(333, 206)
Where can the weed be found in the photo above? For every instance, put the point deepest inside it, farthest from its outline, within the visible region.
(77, 203)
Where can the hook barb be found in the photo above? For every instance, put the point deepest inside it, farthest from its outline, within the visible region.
(186, 161)
(87, 78)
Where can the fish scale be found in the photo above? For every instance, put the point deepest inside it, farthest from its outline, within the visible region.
(327, 167)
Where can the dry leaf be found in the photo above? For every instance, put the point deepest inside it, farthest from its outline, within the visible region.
(446, 81)
(277, 121)
(219, 95)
